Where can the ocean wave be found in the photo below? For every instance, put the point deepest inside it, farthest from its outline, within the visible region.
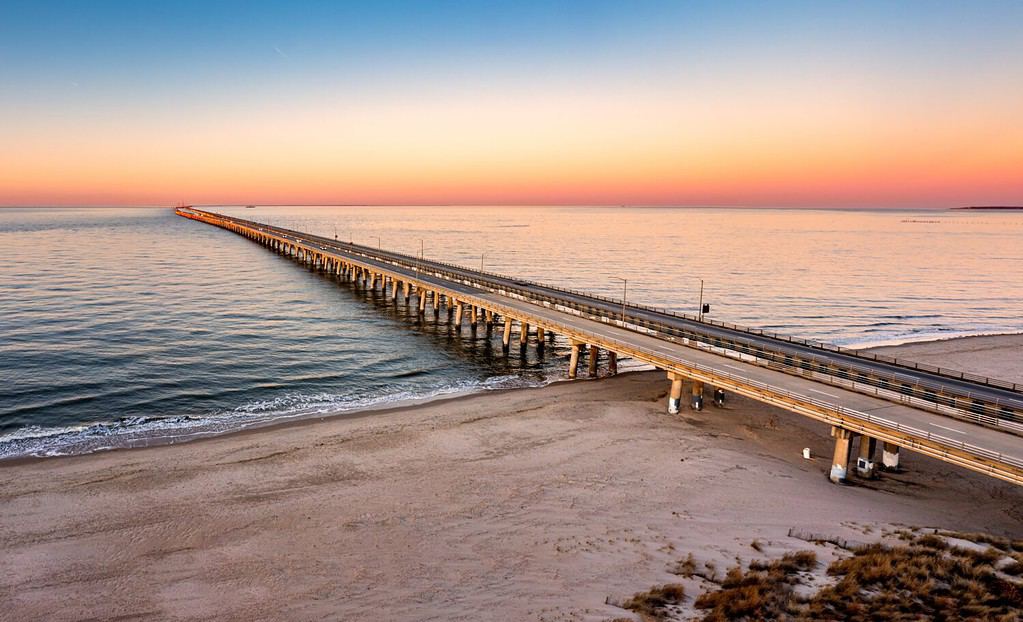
(883, 339)
(128, 432)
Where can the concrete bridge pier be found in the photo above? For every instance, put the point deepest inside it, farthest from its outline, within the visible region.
(890, 456)
(865, 466)
(474, 317)
(697, 402)
(594, 359)
(675, 396)
(840, 462)
(506, 338)
(573, 361)
(436, 304)
(489, 315)
(612, 363)
(523, 334)
(422, 301)
(395, 287)
(458, 314)
(539, 337)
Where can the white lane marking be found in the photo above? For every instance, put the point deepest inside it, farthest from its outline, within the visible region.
(826, 393)
(945, 428)
(732, 367)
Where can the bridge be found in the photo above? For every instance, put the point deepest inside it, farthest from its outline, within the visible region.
(874, 403)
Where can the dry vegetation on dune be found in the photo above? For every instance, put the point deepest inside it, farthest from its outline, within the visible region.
(937, 576)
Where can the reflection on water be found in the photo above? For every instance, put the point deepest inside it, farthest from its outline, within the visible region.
(150, 324)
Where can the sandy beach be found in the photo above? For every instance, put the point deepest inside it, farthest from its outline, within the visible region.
(532, 504)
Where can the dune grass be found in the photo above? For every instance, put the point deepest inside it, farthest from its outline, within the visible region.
(923, 577)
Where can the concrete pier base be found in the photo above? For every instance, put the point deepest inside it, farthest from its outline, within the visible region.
(840, 461)
(539, 337)
(506, 338)
(594, 360)
(697, 401)
(458, 315)
(612, 363)
(422, 301)
(865, 466)
(675, 396)
(719, 398)
(523, 333)
(889, 457)
(573, 361)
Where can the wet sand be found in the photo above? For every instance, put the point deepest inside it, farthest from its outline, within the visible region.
(533, 504)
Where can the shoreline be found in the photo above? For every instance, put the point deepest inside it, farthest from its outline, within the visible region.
(406, 405)
(894, 343)
(419, 402)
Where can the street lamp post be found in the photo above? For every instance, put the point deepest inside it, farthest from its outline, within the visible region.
(701, 300)
(625, 293)
(482, 255)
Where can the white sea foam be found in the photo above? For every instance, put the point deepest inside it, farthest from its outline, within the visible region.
(36, 441)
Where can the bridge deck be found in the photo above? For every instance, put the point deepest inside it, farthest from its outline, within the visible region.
(991, 451)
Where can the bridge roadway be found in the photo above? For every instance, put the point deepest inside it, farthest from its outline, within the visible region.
(964, 396)
(851, 414)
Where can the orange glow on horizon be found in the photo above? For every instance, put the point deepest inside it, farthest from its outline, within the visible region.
(551, 148)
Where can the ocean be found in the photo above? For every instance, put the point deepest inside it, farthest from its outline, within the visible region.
(132, 326)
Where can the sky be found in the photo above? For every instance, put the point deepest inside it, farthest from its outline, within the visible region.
(795, 104)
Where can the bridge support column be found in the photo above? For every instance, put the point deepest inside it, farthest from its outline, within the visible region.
(474, 316)
(865, 461)
(697, 403)
(890, 456)
(573, 361)
(408, 291)
(719, 397)
(395, 286)
(489, 315)
(594, 359)
(436, 303)
(506, 338)
(675, 396)
(840, 462)
(612, 363)
(422, 301)
(539, 336)
(458, 315)
(523, 333)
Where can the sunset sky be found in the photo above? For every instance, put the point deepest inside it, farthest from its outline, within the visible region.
(877, 104)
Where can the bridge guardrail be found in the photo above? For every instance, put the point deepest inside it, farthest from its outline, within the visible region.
(974, 409)
(659, 359)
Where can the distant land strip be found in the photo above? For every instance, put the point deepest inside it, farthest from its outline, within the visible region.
(992, 207)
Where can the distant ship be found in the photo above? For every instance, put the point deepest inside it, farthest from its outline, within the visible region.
(250, 207)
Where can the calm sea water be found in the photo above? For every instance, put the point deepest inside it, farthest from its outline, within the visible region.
(132, 326)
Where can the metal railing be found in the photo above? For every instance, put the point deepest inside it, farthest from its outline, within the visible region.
(978, 409)
(836, 414)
